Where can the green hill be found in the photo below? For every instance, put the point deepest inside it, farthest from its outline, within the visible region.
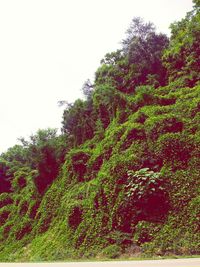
(124, 176)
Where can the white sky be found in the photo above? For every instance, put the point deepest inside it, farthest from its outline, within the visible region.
(48, 48)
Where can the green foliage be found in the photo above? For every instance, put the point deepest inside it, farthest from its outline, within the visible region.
(23, 177)
(14, 158)
(182, 57)
(143, 183)
(138, 62)
(105, 103)
(145, 231)
(159, 125)
(79, 120)
(146, 190)
(121, 239)
(175, 149)
(134, 133)
(144, 48)
(5, 199)
(111, 252)
(24, 230)
(43, 153)
(124, 174)
(4, 214)
(75, 217)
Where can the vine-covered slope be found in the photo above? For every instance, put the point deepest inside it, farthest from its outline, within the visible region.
(124, 176)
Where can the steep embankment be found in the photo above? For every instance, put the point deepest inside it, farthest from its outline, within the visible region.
(134, 186)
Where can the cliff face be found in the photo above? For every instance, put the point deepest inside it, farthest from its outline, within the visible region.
(133, 187)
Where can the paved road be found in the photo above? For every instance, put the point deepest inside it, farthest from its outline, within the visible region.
(157, 263)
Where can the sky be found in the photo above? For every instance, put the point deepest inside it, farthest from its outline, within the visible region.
(49, 48)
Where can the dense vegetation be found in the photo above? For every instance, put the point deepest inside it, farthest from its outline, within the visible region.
(123, 178)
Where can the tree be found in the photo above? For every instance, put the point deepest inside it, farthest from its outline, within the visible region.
(87, 89)
(105, 103)
(197, 4)
(43, 152)
(112, 58)
(79, 121)
(114, 72)
(10, 162)
(137, 30)
(143, 48)
(182, 58)
(139, 61)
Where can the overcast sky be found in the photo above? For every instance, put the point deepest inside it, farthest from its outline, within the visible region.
(48, 48)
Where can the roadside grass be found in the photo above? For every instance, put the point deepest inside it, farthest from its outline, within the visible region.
(140, 258)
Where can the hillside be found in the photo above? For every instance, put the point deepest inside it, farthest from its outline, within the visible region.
(124, 176)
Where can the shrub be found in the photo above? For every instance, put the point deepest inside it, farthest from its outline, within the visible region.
(194, 211)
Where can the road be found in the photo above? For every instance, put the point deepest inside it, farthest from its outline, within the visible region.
(147, 263)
